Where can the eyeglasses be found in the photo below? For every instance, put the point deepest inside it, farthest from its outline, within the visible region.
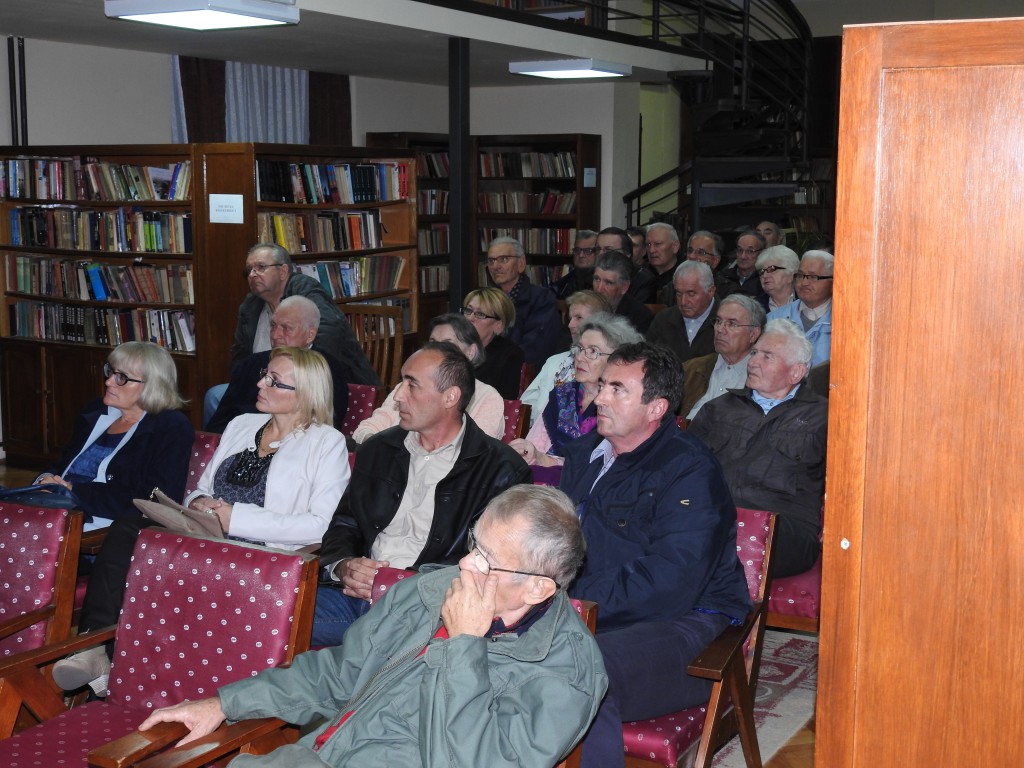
(503, 260)
(769, 270)
(476, 313)
(700, 252)
(120, 378)
(270, 381)
(730, 325)
(747, 251)
(480, 561)
(258, 269)
(585, 251)
(798, 276)
(591, 353)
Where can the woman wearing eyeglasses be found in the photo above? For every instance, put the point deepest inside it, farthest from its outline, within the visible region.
(492, 314)
(275, 479)
(570, 412)
(133, 439)
(776, 266)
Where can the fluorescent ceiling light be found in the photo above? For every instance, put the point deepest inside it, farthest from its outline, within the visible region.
(564, 69)
(205, 14)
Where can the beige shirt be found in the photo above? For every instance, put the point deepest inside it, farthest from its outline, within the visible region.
(403, 540)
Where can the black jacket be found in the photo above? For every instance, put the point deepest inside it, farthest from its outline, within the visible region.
(485, 468)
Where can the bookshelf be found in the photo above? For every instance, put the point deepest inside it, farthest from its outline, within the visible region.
(538, 189)
(103, 244)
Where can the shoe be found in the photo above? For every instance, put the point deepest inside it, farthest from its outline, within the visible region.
(83, 668)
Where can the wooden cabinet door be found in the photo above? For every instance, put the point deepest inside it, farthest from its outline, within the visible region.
(923, 588)
(73, 376)
(23, 403)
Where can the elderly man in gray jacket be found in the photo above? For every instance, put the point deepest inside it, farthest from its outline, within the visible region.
(507, 676)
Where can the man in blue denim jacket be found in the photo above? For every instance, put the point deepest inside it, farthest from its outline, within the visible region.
(660, 527)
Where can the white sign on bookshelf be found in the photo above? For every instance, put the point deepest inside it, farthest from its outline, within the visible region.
(226, 209)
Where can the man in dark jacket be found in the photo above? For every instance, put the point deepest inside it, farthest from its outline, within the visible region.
(661, 560)
(418, 488)
(770, 438)
(268, 268)
(687, 326)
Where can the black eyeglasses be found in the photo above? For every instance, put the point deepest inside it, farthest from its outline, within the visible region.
(798, 276)
(270, 381)
(485, 567)
(747, 251)
(700, 252)
(769, 270)
(585, 251)
(731, 325)
(470, 312)
(120, 377)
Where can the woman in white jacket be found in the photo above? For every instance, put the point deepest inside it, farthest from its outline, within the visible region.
(277, 481)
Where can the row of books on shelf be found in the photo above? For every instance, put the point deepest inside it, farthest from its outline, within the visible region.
(528, 164)
(433, 165)
(321, 231)
(128, 229)
(434, 278)
(538, 240)
(173, 329)
(83, 280)
(79, 178)
(538, 274)
(279, 181)
(550, 202)
(432, 202)
(433, 241)
(355, 277)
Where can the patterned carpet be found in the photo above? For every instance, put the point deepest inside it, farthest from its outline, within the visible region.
(786, 693)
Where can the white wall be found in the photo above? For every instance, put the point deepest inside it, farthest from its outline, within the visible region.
(388, 105)
(660, 108)
(80, 94)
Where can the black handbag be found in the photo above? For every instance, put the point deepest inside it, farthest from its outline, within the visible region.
(49, 495)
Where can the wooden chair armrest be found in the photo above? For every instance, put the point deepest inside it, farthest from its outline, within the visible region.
(50, 653)
(310, 549)
(92, 541)
(15, 624)
(223, 741)
(130, 749)
(714, 660)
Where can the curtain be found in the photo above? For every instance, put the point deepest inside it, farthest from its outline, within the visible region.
(266, 104)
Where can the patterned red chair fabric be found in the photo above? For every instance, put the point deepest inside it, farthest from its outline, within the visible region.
(197, 614)
(38, 561)
(517, 420)
(203, 448)
(732, 661)
(362, 399)
(795, 601)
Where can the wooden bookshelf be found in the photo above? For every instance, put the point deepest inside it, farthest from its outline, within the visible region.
(90, 260)
(538, 189)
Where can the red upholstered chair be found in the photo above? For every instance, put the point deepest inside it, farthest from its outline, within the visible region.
(203, 448)
(198, 614)
(795, 601)
(362, 399)
(732, 661)
(38, 561)
(517, 420)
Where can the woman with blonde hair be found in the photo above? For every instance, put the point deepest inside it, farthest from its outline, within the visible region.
(492, 314)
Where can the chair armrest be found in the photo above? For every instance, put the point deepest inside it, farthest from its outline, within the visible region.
(310, 549)
(223, 741)
(92, 541)
(50, 653)
(130, 749)
(712, 662)
(15, 624)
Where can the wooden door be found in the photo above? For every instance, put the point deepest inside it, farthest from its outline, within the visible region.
(23, 404)
(74, 377)
(923, 589)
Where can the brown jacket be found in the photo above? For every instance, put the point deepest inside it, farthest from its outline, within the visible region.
(696, 378)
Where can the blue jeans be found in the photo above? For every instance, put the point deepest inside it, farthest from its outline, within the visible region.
(211, 400)
(335, 613)
(647, 677)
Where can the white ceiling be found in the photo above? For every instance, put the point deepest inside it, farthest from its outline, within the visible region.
(389, 39)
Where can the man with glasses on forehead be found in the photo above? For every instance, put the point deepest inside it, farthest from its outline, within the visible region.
(486, 663)
(418, 490)
(661, 559)
(812, 310)
(584, 253)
